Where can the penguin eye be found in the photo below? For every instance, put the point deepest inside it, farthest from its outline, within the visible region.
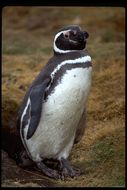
(66, 35)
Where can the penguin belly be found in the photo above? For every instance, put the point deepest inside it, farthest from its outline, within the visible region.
(60, 116)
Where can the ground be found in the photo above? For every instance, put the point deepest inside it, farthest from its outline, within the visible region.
(27, 35)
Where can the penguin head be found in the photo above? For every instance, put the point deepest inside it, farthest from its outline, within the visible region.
(70, 38)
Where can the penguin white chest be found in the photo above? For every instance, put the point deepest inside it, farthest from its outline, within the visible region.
(61, 114)
(71, 92)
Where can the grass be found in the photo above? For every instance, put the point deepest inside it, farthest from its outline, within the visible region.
(102, 163)
(26, 49)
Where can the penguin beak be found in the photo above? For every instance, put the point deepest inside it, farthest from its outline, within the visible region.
(86, 35)
(83, 35)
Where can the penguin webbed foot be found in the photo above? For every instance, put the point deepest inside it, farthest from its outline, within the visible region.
(66, 170)
(48, 171)
(58, 169)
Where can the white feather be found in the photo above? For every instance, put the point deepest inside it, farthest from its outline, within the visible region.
(78, 60)
(60, 116)
(25, 127)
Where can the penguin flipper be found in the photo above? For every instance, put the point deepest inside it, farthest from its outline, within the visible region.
(37, 95)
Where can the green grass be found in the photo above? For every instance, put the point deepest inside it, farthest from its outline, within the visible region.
(106, 160)
(112, 36)
(104, 51)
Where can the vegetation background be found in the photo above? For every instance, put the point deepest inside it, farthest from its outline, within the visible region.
(27, 36)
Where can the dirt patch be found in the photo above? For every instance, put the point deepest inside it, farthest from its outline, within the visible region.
(13, 176)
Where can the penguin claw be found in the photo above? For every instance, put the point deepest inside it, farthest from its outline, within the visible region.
(66, 170)
(66, 173)
(48, 171)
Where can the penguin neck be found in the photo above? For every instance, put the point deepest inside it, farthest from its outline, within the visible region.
(68, 61)
(64, 54)
(72, 54)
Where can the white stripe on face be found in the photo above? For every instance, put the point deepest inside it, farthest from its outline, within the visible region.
(56, 49)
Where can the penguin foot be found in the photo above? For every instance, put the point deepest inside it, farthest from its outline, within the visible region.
(66, 170)
(48, 171)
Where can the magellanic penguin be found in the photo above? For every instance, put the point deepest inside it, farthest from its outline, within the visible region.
(52, 115)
